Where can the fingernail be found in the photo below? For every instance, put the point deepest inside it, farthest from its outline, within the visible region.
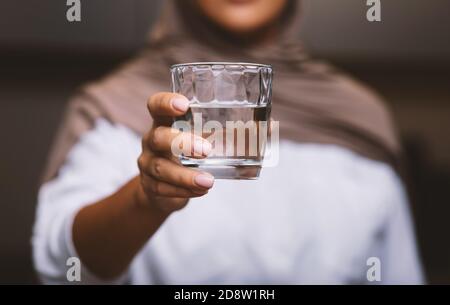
(202, 147)
(204, 180)
(180, 104)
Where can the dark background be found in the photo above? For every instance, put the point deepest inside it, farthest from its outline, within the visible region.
(44, 58)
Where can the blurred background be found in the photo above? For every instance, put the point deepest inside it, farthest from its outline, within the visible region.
(44, 58)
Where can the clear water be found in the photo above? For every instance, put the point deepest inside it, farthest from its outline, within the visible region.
(239, 143)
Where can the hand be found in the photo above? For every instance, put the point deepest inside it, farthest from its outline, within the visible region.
(165, 184)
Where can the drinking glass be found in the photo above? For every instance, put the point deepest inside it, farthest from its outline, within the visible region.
(230, 106)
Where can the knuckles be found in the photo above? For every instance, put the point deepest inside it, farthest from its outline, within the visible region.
(142, 162)
(157, 166)
(155, 137)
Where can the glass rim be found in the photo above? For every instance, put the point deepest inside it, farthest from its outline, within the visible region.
(221, 63)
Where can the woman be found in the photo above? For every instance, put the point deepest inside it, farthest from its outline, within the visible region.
(333, 202)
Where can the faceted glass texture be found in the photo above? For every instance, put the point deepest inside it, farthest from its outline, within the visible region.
(223, 83)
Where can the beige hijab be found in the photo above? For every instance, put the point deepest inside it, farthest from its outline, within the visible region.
(313, 102)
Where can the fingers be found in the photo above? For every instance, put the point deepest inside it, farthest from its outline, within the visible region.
(163, 189)
(164, 105)
(163, 176)
(169, 140)
(162, 169)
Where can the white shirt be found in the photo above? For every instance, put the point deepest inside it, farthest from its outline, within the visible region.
(318, 217)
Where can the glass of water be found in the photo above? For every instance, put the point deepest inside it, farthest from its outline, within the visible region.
(230, 106)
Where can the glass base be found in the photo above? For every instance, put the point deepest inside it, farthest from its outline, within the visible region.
(229, 172)
(226, 168)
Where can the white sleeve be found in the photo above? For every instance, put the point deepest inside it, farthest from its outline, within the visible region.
(400, 263)
(95, 168)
